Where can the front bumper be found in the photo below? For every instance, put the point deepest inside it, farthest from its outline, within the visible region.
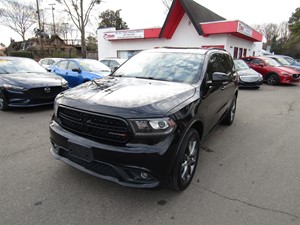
(31, 97)
(135, 164)
(250, 84)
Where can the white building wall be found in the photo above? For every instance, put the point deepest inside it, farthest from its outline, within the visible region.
(184, 36)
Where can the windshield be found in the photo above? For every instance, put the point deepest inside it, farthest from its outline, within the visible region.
(272, 62)
(240, 65)
(282, 61)
(176, 67)
(95, 66)
(17, 65)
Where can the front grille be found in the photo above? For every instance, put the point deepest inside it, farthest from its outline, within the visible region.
(45, 92)
(296, 76)
(94, 126)
(94, 166)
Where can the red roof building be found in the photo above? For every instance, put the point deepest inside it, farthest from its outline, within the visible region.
(188, 24)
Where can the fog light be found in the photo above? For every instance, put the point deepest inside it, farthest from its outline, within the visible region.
(55, 148)
(144, 175)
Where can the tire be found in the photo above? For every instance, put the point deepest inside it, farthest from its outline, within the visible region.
(272, 79)
(186, 163)
(229, 118)
(3, 104)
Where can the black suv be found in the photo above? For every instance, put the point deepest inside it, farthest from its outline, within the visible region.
(142, 125)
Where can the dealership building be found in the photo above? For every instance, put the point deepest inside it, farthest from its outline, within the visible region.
(188, 24)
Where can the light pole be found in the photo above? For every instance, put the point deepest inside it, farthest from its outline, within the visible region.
(66, 32)
(39, 21)
(52, 8)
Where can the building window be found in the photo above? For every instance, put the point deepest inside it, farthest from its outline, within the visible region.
(240, 53)
(235, 53)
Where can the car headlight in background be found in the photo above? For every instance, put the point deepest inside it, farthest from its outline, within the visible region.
(153, 127)
(286, 74)
(13, 87)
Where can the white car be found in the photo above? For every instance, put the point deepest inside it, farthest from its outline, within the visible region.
(113, 63)
(48, 62)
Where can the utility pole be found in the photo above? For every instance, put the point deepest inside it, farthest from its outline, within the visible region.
(65, 32)
(52, 8)
(39, 22)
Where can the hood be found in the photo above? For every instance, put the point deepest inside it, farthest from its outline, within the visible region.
(31, 80)
(128, 97)
(287, 69)
(248, 72)
(94, 75)
(294, 67)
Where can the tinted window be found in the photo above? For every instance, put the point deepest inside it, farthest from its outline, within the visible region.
(219, 62)
(176, 67)
(257, 62)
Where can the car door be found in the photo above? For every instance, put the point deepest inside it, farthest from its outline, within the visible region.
(61, 68)
(260, 66)
(73, 74)
(213, 98)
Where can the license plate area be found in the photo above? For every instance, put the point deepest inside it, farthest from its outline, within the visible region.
(80, 152)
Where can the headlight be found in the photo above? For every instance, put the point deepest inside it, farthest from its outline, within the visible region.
(13, 87)
(55, 108)
(286, 74)
(153, 127)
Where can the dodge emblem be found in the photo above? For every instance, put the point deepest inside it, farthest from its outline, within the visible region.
(47, 90)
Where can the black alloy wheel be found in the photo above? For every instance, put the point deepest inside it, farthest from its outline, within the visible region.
(272, 79)
(3, 104)
(229, 118)
(186, 163)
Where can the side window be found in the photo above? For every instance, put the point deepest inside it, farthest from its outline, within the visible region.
(44, 62)
(213, 66)
(113, 63)
(105, 62)
(63, 65)
(219, 62)
(72, 65)
(257, 61)
(50, 62)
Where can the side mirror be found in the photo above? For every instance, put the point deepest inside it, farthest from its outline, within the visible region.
(76, 70)
(219, 77)
(261, 65)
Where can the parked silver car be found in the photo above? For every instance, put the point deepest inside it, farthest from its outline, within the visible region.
(247, 76)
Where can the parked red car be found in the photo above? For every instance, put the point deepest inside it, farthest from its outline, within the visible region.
(272, 71)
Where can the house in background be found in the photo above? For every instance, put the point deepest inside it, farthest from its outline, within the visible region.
(188, 24)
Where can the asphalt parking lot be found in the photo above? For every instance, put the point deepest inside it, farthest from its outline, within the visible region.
(248, 173)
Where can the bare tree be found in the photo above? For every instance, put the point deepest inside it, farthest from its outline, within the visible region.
(269, 30)
(18, 16)
(79, 12)
(283, 31)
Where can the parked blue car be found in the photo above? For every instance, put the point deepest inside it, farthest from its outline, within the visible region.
(78, 71)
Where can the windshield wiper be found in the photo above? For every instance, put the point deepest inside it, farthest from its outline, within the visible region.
(95, 82)
(151, 78)
(117, 75)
